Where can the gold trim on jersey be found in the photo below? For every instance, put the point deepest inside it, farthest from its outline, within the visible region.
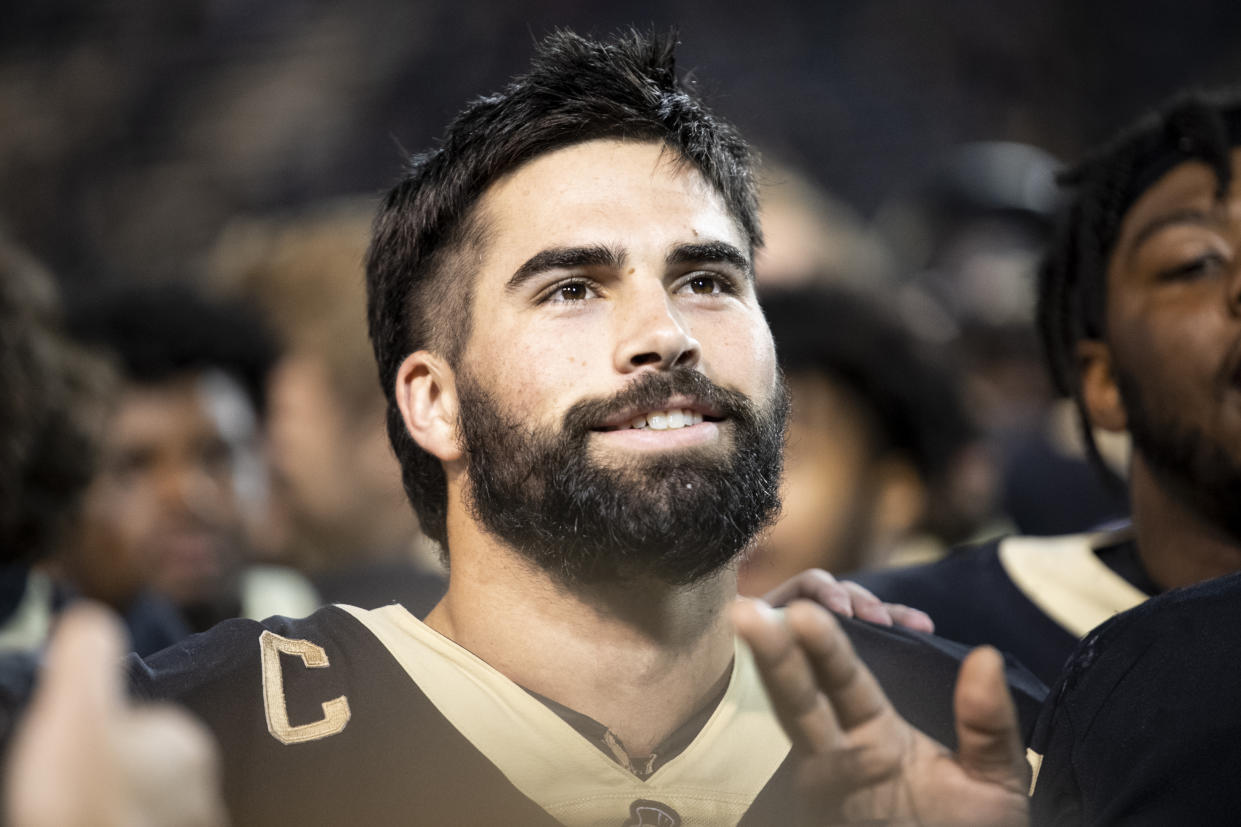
(1066, 579)
(1035, 760)
(712, 782)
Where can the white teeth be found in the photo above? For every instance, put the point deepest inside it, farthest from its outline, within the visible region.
(668, 420)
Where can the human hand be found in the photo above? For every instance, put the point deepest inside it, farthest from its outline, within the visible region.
(84, 756)
(847, 598)
(859, 761)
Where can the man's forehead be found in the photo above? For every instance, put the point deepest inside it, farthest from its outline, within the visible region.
(585, 192)
(1180, 195)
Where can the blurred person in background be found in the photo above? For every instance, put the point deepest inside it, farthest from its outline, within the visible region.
(1139, 308)
(348, 522)
(812, 237)
(880, 452)
(54, 395)
(969, 238)
(83, 755)
(180, 459)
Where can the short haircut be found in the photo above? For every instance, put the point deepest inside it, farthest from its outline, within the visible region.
(1194, 126)
(417, 270)
(157, 333)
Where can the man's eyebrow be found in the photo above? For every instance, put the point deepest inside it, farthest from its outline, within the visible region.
(708, 252)
(1187, 215)
(565, 258)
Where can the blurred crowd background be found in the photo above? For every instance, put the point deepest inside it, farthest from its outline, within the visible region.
(198, 177)
(135, 130)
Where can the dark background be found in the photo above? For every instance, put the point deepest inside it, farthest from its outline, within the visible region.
(130, 132)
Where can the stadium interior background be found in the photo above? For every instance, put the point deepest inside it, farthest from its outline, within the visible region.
(132, 131)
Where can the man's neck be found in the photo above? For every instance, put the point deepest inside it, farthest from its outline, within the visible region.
(1178, 546)
(640, 658)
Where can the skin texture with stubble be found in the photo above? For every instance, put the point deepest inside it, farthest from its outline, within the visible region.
(1169, 371)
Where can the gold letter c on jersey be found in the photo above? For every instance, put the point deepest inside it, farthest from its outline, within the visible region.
(335, 711)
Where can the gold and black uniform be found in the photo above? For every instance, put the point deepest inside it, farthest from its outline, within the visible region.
(1032, 597)
(370, 717)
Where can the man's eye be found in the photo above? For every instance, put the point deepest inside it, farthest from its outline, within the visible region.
(706, 285)
(1206, 265)
(572, 291)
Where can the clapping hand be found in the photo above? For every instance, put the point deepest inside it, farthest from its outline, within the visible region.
(859, 761)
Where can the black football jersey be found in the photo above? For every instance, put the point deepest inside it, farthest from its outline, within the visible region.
(1143, 726)
(370, 717)
(1032, 597)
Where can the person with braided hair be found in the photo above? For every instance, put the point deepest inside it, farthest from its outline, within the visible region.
(1141, 310)
(1140, 316)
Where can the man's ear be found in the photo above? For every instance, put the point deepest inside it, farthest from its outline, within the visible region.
(1100, 390)
(426, 393)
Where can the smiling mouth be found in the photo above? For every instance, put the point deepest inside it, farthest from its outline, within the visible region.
(671, 419)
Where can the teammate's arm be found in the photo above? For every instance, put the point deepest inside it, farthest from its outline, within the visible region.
(859, 761)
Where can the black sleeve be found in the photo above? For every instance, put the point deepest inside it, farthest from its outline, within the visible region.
(972, 600)
(1143, 726)
(918, 673)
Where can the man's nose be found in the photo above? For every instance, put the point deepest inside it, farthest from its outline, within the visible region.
(653, 333)
(189, 488)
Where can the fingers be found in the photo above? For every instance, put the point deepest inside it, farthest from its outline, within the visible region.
(851, 690)
(81, 671)
(866, 606)
(846, 598)
(172, 764)
(817, 684)
(816, 585)
(85, 757)
(911, 618)
(791, 684)
(988, 736)
(63, 742)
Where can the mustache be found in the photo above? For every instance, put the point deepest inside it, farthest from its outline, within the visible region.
(652, 390)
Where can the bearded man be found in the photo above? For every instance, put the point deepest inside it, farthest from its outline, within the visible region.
(1142, 301)
(583, 395)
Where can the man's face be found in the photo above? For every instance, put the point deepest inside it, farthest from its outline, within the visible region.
(1174, 332)
(162, 510)
(615, 291)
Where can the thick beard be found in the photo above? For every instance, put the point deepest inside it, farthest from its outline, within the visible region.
(1200, 473)
(676, 519)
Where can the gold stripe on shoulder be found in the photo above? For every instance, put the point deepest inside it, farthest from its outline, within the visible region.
(1035, 760)
(1064, 578)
